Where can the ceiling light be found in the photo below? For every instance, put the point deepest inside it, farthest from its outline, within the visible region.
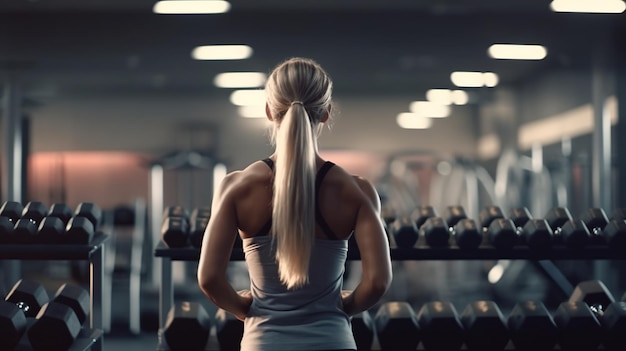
(221, 52)
(588, 6)
(191, 7)
(447, 96)
(474, 79)
(239, 80)
(408, 120)
(517, 52)
(429, 109)
(255, 97)
(252, 111)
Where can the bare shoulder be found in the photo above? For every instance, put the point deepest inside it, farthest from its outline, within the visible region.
(239, 181)
(356, 185)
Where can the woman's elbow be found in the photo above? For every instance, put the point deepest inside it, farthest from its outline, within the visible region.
(207, 283)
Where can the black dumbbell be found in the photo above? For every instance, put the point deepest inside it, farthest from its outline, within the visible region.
(29, 296)
(12, 324)
(388, 214)
(436, 232)
(531, 326)
(420, 214)
(467, 234)
(6, 229)
(229, 330)
(35, 211)
(485, 326)
(187, 327)
(11, 210)
(61, 211)
(24, 232)
(613, 323)
(91, 211)
(404, 231)
(615, 231)
(60, 321)
(80, 230)
(363, 330)
(396, 326)
(501, 232)
(440, 326)
(537, 234)
(520, 216)
(198, 221)
(175, 227)
(51, 231)
(595, 219)
(568, 231)
(577, 326)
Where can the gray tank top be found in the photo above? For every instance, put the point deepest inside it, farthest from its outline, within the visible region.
(308, 318)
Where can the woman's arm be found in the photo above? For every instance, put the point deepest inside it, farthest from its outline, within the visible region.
(216, 250)
(374, 249)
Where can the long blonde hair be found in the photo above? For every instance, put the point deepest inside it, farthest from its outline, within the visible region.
(298, 97)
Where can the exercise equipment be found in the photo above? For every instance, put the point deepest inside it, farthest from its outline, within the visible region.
(198, 221)
(60, 321)
(568, 231)
(175, 227)
(501, 231)
(613, 323)
(484, 325)
(396, 326)
(577, 326)
(29, 296)
(79, 230)
(421, 213)
(615, 234)
(404, 231)
(363, 330)
(89, 210)
(595, 219)
(229, 330)
(51, 230)
(537, 234)
(467, 234)
(435, 232)
(34, 211)
(440, 326)
(187, 327)
(11, 210)
(531, 326)
(520, 216)
(12, 324)
(61, 211)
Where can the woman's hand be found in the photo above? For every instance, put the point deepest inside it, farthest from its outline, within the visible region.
(246, 300)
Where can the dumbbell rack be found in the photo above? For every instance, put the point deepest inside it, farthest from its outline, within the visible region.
(420, 251)
(88, 339)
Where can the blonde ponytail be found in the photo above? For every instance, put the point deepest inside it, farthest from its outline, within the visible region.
(298, 96)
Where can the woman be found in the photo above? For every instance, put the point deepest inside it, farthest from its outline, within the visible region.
(295, 212)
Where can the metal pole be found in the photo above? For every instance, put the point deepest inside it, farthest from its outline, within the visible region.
(11, 159)
(156, 215)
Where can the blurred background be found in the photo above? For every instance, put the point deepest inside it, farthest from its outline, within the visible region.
(120, 103)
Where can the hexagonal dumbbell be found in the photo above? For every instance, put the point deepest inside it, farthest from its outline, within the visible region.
(485, 326)
(187, 326)
(532, 327)
(229, 330)
(501, 231)
(404, 231)
(440, 326)
(198, 221)
(397, 327)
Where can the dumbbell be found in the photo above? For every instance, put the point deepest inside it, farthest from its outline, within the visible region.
(536, 233)
(484, 325)
(11, 210)
(363, 330)
(465, 231)
(531, 326)
(175, 227)
(229, 330)
(198, 221)
(12, 324)
(440, 326)
(615, 231)
(91, 211)
(596, 220)
(568, 231)
(187, 327)
(60, 211)
(501, 232)
(396, 326)
(23, 230)
(431, 226)
(610, 314)
(404, 231)
(22, 303)
(60, 321)
(577, 326)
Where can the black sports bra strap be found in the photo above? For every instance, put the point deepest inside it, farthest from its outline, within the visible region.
(268, 161)
(318, 213)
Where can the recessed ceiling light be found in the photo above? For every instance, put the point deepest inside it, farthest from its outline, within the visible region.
(474, 79)
(221, 52)
(588, 6)
(252, 111)
(408, 120)
(517, 52)
(447, 96)
(247, 97)
(239, 80)
(191, 7)
(429, 109)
